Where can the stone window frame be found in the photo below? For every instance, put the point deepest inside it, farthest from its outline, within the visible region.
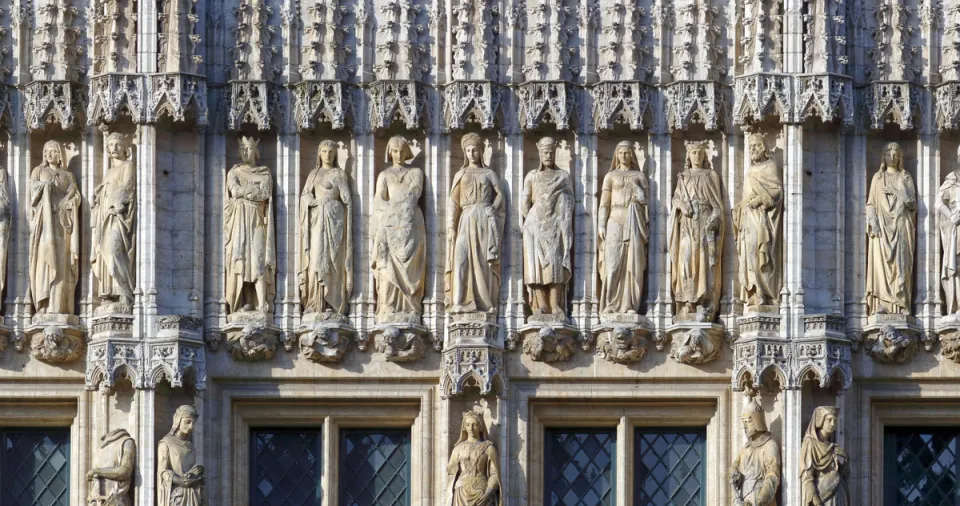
(624, 407)
(328, 408)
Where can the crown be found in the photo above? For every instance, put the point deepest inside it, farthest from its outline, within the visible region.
(697, 144)
(472, 414)
(546, 141)
(250, 142)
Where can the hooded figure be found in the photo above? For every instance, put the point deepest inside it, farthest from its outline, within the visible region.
(179, 477)
(756, 471)
(823, 464)
(472, 474)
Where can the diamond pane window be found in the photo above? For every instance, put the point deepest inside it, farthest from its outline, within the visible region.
(669, 467)
(285, 467)
(579, 467)
(35, 467)
(920, 467)
(375, 468)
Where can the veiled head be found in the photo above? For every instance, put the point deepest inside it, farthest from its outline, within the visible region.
(472, 426)
(53, 154)
(472, 145)
(624, 157)
(183, 420)
(824, 423)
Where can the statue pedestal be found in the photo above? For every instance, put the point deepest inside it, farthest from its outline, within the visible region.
(473, 354)
(549, 338)
(891, 338)
(249, 337)
(623, 338)
(324, 337)
(55, 338)
(112, 326)
(948, 331)
(473, 328)
(400, 341)
(695, 342)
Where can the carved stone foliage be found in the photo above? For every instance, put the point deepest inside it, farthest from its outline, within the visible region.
(549, 344)
(703, 102)
(251, 341)
(827, 97)
(893, 55)
(317, 102)
(397, 101)
(622, 345)
(254, 102)
(548, 102)
(53, 102)
(759, 96)
(253, 49)
(475, 26)
(113, 96)
(549, 40)
(57, 42)
(57, 344)
(625, 42)
(899, 103)
(179, 39)
(473, 102)
(114, 37)
(401, 46)
(327, 24)
(761, 41)
(622, 103)
(182, 97)
(324, 342)
(891, 345)
(478, 365)
(400, 344)
(947, 102)
(825, 39)
(696, 52)
(950, 45)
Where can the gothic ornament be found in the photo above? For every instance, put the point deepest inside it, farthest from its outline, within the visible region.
(702, 102)
(256, 103)
(400, 344)
(950, 343)
(753, 356)
(622, 345)
(479, 365)
(824, 359)
(182, 97)
(828, 97)
(891, 345)
(113, 96)
(324, 343)
(57, 344)
(947, 100)
(109, 359)
(251, 341)
(473, 102)
(548, 102)
(698, 345)
(898, 103)
(622, 103)
(401, 101)
(53, 102)
(175, 361)
(549, 344)
(761, 96)
(316, 102)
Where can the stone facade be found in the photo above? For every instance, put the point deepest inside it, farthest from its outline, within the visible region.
(826, 85)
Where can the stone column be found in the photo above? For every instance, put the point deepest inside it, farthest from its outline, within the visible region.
(146, 487)
(585, 306)
(287, 305)
(17, 305)
(661, 177)
(145, 292)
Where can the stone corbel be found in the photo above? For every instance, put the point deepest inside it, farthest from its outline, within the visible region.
(53, 102)
(891, 338)
(176, 360)
(828, 97)
(109, 359)
(548, 102)
(401, 342)
(254, 102)
(115, 95)
(753, 356)
(622, 103)
(623, 345)
(325, 340)
(761, 96)
(690, 102)
(251, 341)
(323, 102)
(182, 97)
(481, 365)
(948, 106)
(897, 102)
(695, 343)
(478, 102)
(402, 101)
(948, 332)
(823, 351)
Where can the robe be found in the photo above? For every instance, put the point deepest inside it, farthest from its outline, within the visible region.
(695, 249)
(54, 239)
(547, 227)
(400, 243)
(249, 237)
(113, 232)
(948, 200)
(889, 284)
(111, 453)
(623, 251)
(6, 220)
(759, 463)
(757, 232)
(326, 246)
(473, 468)
(175, 457)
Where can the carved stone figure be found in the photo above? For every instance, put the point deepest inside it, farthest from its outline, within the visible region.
(254, 341)
(400, 238)
(473, 474)
(891, 230)
(179, 477)
(624, 231)
(6, 220)
(548, 345)
(948, 207)
(322, 344)
(696, 346)
(400, 346)
(823, 464)
(547, 212)
(112, 475)
(756, 471)
(54, 233)
(891, 345)
(622, 345)
(756, 223)
(250, 255)
(113, 212)
(326, 244)
(57, 345)
(475, 214)
(696, 236)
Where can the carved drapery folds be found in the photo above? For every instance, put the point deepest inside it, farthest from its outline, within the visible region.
(891, 96)
(473, 102)
(253, 98)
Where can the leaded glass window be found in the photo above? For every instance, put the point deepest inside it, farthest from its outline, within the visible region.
(375, 468)
(285, 467)
(669, 467)
(35, 467)
(920, 467)
(580, 467)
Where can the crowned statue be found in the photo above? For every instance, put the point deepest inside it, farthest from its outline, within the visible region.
(473, 477)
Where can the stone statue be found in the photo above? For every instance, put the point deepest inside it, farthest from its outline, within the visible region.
(948, 207)
(473, 470)
(890, 345)
(756, 223)
(547, 212)
(6, 220)
(823, 464)
(891, 230)
(624, 231)
(179, 477)
(113, 212)
(400, 237)
(696, 236)
(112, 477)
(54, 233)
(756, 471)
(250, 255)
(475, 216)
(326, 244)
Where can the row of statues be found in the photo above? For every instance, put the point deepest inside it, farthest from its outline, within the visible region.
(475, 227)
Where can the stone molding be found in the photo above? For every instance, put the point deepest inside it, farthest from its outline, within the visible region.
(896, 102)
(622, 102)
(181, 96)
(761, 96)
(53, 102)
(947, 100)
(316, 102)
(404, 102)
(473, 102)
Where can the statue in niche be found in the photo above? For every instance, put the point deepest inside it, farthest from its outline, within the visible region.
(248, 233)
(54, 233)
(473, 470)
(756, 223)
(891, 230)
(475, 214)
(6, 220)
(400, 237)
(624, 231)
(696, 236)
(756, 471)
(547, 212)
(179, 477)
(113, 212)
(326, 244)
(112, 477)
(948, 207)
(823, 464)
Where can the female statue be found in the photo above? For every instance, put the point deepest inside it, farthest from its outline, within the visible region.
(473, 476)
(823, 464)
(113, 212)
(179, 477)
(474, 231)
(948, 206)
(892, 229)
(248, 234)
(623, 232)
(6, 220)
(326, 245)
(54, 233)
(696, 236)
(400, 237)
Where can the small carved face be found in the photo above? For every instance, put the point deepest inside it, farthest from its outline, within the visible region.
(624, 157)
(186, 425)
(891, 156)
(398, 153)
(697, 157)
(749, 428)
(757, 150)
(117, 148)
(547, 155)
(472, 153)
(51, 155)
(327, 155)
(472, 427)
(829, 425)
(621, 338)
(248, 154)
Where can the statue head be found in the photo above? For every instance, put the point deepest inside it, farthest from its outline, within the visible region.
(757, 148)
(327, 154)
(472, 145)
(889, 335)
(398, 151)
(547, 147)
(892, 157)
(184, 419)
(53, 154)
(472, 427)
(754, 422)
(622, 337)
(118, 146)
(696, 154)
(248, 150)
(824, 423)
(624, 157)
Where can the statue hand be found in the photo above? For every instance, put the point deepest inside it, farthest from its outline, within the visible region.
(93, 475)
(955, 217)
(816, 500)
(602, 233)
